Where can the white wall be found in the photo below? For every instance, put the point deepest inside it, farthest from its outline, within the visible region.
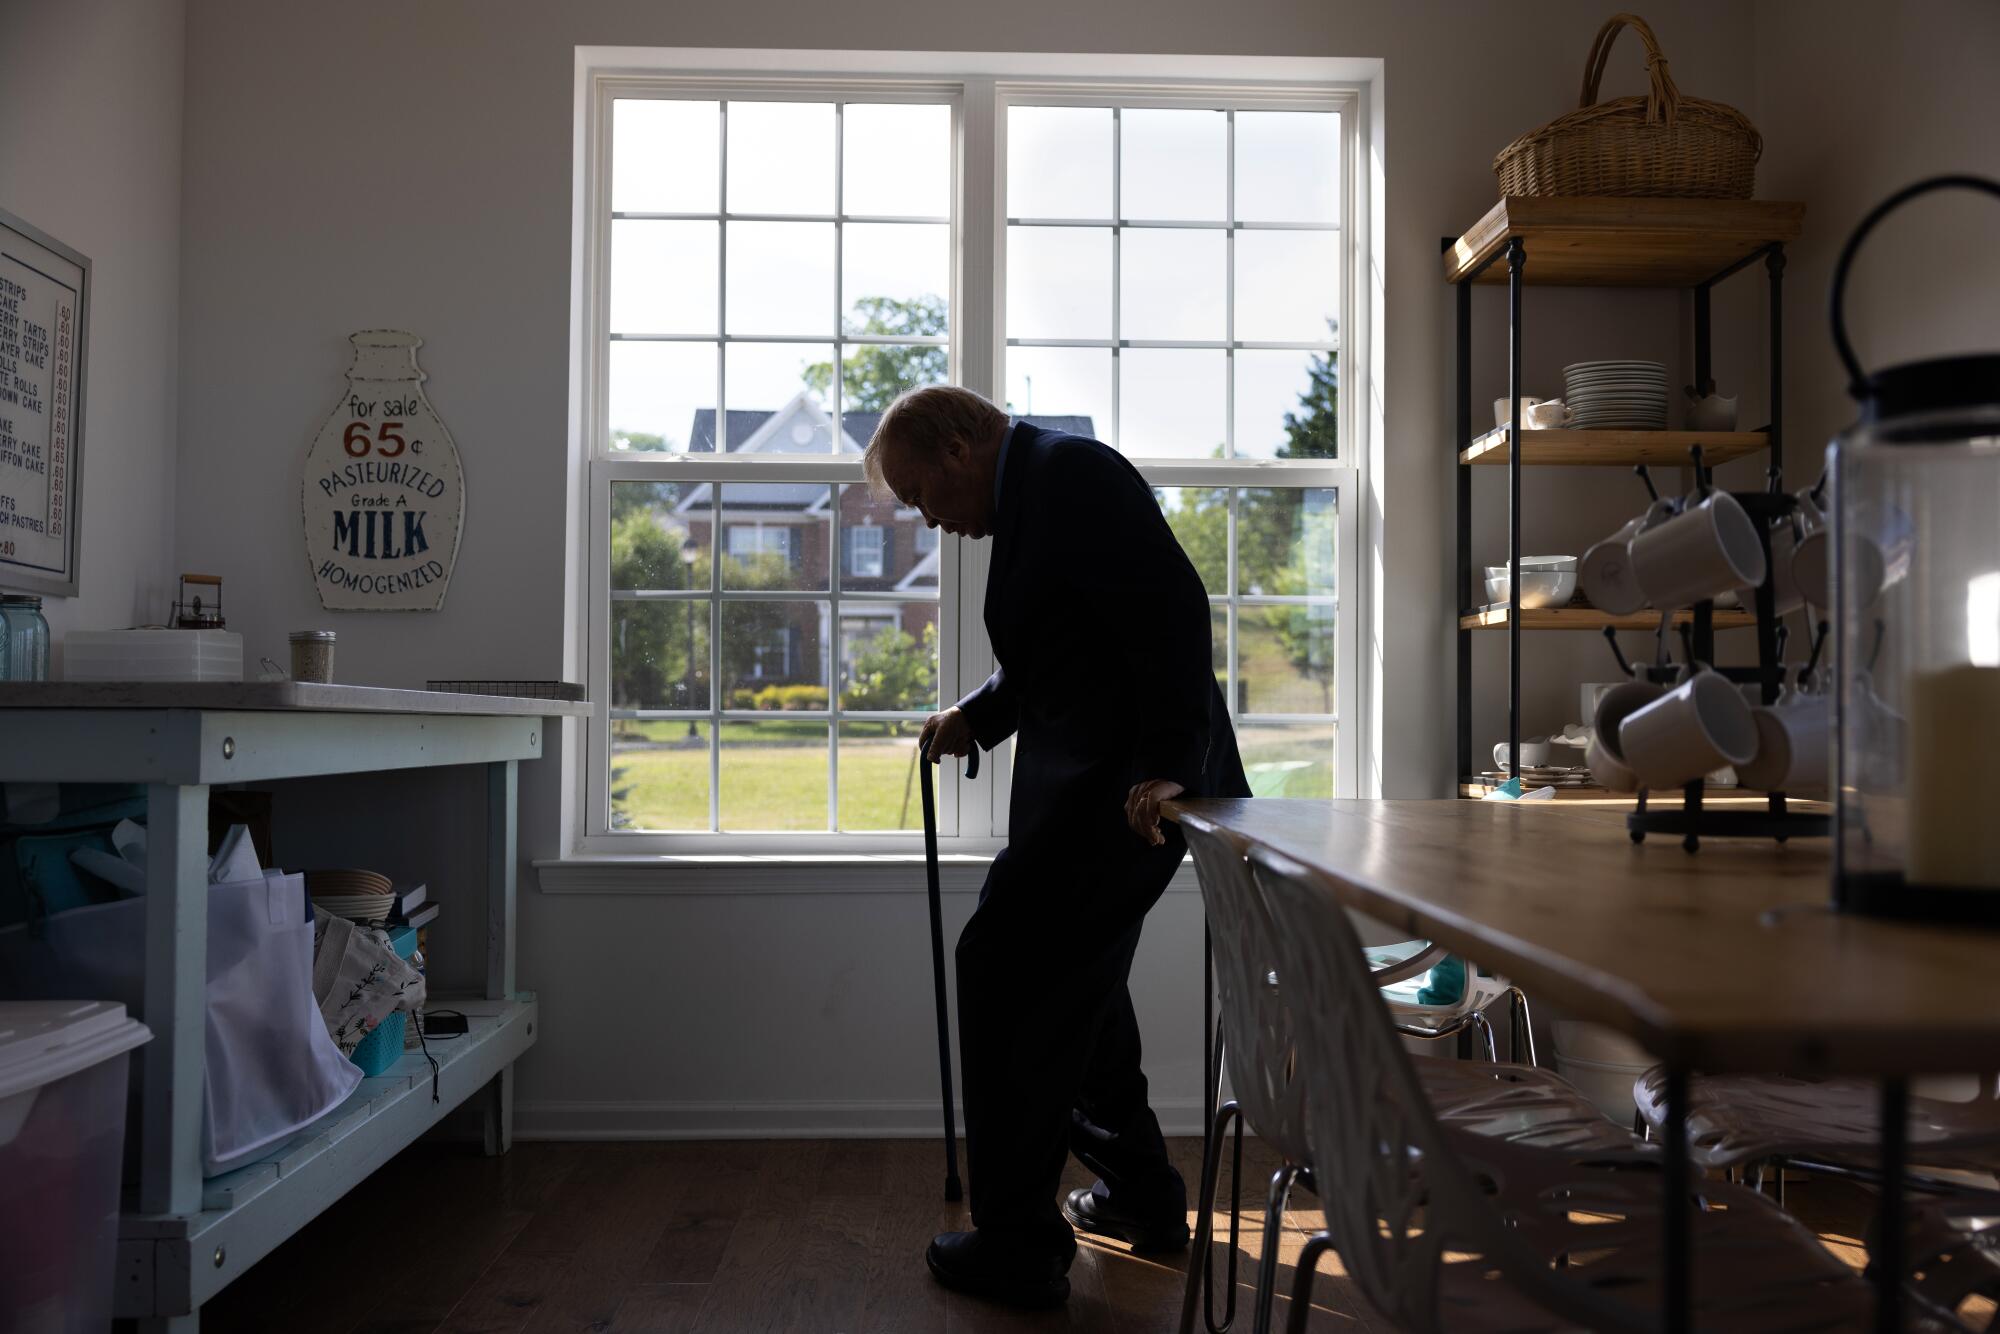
(379, 163)
(1855, 101)
(90, 98)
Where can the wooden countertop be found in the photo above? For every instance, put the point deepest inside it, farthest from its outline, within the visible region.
(1726, 959)
(258, 696)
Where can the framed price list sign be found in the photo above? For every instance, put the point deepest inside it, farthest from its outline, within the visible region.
(44, 327)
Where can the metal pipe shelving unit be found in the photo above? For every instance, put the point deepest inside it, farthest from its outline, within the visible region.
(1690, 244)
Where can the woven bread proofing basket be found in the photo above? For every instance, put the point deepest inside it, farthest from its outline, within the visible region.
(1662, 144)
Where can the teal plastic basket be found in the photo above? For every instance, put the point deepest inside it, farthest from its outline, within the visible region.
(383, 1047)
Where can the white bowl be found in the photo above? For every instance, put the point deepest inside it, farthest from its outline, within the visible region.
(1549, 562)
(1539, 588)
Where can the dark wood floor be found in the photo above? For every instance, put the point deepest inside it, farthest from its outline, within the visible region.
(742, 1237)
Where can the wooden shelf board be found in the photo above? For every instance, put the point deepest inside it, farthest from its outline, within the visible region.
(1606, 449)
(1596, 242)
(1590, 618)
(247, 1212)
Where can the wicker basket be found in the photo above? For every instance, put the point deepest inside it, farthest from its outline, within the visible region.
(1659, 144)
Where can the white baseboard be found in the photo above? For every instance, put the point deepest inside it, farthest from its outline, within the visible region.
(767, 1120)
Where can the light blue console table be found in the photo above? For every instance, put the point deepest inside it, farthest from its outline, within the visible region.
(185, 1238)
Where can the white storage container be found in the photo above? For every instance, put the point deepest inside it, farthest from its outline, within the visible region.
(63, 1069)
(152, 655)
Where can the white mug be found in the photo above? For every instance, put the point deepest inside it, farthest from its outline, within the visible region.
(1534, 753)
(1699, 726)
(1812, 561)
(1617, 704)
(1792, 746)
(1608, 770)
(1710, 547)
(1785, 598)
(1605, 572)
(1501, 416)
(1546, 415)
(1812, 555)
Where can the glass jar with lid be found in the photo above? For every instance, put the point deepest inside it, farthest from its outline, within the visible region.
(1916, 488)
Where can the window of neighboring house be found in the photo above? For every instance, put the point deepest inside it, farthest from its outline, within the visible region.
(748, 541)
(864, 551)
(1165, 269)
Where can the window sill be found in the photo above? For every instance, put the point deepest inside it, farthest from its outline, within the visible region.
(827, 873)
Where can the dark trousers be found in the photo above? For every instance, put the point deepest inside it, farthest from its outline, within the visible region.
(1048, 1040)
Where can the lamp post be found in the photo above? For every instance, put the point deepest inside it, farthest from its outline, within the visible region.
(689, 550)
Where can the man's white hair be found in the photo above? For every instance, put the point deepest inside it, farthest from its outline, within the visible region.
(926, 419)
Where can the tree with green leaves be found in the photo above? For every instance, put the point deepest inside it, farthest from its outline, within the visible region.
(894, 669)
(875, 373)
(1313, 432)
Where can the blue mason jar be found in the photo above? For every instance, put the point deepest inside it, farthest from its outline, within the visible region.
(27, 635)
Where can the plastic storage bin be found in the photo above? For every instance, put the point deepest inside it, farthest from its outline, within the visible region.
(152, 655)
(62, 1135)
(384, 1047)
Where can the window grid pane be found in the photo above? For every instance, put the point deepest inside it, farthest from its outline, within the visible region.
(1310, 434)
(1273, 648)
(796, 634)
(922, 318)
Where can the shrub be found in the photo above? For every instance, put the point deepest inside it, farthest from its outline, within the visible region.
(775, 698)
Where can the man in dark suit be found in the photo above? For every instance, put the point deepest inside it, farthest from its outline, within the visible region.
(1101, 629)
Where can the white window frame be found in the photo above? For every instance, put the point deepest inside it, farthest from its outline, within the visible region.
(972, 820)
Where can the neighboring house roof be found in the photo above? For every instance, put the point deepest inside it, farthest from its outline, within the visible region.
(802, 426)
(924, 574)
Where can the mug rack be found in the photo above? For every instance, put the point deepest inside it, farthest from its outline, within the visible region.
(1693, 820)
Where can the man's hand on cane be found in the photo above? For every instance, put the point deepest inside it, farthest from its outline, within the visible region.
(947, 733)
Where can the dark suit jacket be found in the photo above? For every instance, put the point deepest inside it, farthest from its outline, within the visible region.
(1101, 628)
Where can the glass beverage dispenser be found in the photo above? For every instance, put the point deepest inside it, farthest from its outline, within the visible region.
(1916, 503)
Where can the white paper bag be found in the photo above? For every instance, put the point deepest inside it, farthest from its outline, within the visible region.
(271, 1067)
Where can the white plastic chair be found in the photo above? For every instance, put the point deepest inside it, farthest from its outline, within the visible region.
(1449, 1232)
(1256, 1039)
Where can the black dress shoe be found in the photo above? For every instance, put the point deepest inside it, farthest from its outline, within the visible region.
(969, 1262)
(1150, 1232)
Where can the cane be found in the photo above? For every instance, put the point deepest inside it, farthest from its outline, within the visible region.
(953, 1191)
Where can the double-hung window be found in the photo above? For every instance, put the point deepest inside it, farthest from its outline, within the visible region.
(773, 260)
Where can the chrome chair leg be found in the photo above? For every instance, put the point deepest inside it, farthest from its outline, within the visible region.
(1221, 1326)
(1318, 1244)
(1523, 1021)
(1274, 1229)
(1201, 1265)
(1479, 1021)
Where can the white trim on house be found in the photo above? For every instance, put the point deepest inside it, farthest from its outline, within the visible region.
(927, 568)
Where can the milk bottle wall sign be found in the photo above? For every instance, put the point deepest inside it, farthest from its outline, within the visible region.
(383, 492)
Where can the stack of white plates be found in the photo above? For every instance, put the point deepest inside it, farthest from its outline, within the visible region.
(1616, 395)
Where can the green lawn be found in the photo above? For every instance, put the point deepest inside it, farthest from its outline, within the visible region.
(768, 783)
(774, 774)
